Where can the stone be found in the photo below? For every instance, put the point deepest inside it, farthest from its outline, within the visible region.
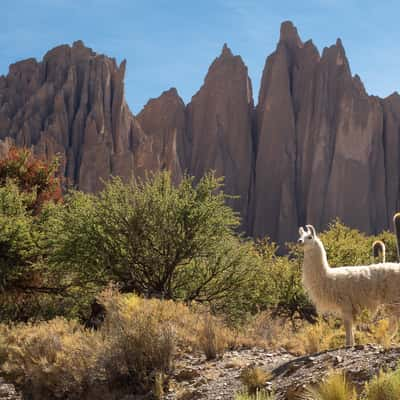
(72, 104)
(320, 144)
(316, 147)
(219, 128)
(163, 119)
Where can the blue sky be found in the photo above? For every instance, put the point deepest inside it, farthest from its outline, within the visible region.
(172, 43)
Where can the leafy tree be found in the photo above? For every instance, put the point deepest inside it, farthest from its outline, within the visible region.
(27, 186)
(154, 238)
(18, 238)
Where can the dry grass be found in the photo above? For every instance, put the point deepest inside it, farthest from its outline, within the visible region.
(334, 387)
(134, 349)
(214, 338)
(259, 395)
(254, 379)
(328, 333)
(385, 386)
(52, 359)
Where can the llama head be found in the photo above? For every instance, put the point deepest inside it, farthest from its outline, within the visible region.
(307, 236)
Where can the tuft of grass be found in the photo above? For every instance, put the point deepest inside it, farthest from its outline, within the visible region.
(334, 387)
(158, 390)
(254, 379)
(259, 395)
(384, 386)
(382, 333)
(213, 337)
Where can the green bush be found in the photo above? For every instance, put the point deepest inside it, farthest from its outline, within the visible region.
(155, 239)
(281, 287)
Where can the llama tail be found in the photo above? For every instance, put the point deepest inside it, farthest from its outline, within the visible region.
(379, 250)
(396, 223)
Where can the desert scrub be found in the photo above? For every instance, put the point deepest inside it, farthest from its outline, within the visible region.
(328, 333)
(214, 338)
(259, 395)
(384, 386)
(56, 359)
(133, 350)
(253, 379)
(334, 387)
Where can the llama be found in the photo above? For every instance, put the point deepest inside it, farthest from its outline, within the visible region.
(346, 291)
(396, 223)
(379, 250)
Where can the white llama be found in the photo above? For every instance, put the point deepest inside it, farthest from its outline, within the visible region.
(346, 291)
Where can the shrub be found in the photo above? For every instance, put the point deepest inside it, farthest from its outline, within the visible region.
(156, 239)
(18, 239)
(384, 386)
(281, 287)
(259, 395)
(32, 175)
(254, 379)
(133, 350)
(141, 339)
(334, 387)
(213, 337)
(51, 359)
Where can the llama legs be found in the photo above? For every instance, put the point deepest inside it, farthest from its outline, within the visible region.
(348, 325)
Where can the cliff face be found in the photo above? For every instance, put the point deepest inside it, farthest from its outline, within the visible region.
(315, 147)
(164, 120)
(72, 103)
(320, 152)
(219, 128)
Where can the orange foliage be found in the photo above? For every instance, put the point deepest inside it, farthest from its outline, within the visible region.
(32, 175)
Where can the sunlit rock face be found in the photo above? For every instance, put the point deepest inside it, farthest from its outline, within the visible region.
(72, 104)
(320, 151)
(315, 147)
(219, 128)
(164, 121)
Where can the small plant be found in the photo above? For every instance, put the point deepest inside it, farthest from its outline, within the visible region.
(254, 379)
(159, 386)
(334, 387)
(212, 337)
(382, 333)
(384, 386)
(259, 395)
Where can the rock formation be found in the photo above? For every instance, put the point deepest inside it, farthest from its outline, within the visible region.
(320, 152)
(164, 120)
(219, 127)
(315, 147)
(72, 103)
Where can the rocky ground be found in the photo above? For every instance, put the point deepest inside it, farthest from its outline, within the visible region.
(359, 363)
(8, 392)
(196, 378)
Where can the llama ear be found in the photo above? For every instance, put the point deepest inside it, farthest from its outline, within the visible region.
(301, 231)
(311, 229)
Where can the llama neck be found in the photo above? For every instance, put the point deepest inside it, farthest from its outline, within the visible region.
(315, 261)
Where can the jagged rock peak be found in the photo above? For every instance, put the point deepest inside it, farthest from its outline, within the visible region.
(394, 96)
(226, 51)
(171, 92)
(289, 34)
(167, 96)
(78, 43)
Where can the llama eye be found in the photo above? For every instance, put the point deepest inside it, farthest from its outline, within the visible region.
(309, 237)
